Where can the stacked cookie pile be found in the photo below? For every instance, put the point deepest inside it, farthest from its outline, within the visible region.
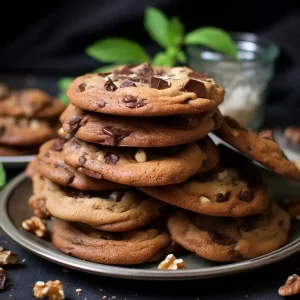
(134, 175)
(28, 118)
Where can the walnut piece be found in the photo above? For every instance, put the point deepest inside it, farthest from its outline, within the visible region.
(171, 263)
(35, 225)
(291, 286)
(2, 279)
(51, 289)
(141, 156)
(8, 258)
(61, 132)
(204, 200)
(38, 206)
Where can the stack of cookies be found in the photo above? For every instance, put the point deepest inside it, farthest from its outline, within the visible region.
(135, 175)
(28, 118)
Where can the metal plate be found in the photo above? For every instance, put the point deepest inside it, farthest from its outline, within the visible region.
(14, 209)
(16, 161)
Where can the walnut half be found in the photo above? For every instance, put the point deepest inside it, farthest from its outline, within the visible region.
(291, 286)
(35, 225)
(171, 263)
(51, 289)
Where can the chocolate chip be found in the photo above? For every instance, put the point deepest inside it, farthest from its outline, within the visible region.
(101, 103)
(61, 166)
(133, 102)
(2, 129)
(82, 159)
(82, 86)
(145, 70)
(75, 144)
(109, 85)
(70, 253)
(245, 228)
(158, 83)
(221, 238)
(90, 173)
(77, 241)
(58, 145)
(126, 70)
(2, 279)
(280, 223)
(4, 91)
(111, 158)
(73, 124)
(116, 196)
(104, 74)
(127, 83)
(114, 135)
(246, 196)
(234, 124)
(266, 134)
(221, 197)
(194, 86)
(198, 75)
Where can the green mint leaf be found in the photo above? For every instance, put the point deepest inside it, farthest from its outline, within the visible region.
(175, 32)
(157, 25)
(105, 68)
(214, 38)
(2, 176)
(181, 57)
(162, 59)
(62, 97)
(117, 50)
(63, 83)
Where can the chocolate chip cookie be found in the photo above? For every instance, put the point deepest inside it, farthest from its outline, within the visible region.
(22, 132)
(261, 148)
(137, 132)
(20, 151)
(230, 239)
(51, 165)
(134, 166)
(128, 248)
(234, 188)
(144, 90)
(29, 103)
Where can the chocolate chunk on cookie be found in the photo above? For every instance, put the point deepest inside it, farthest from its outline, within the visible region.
(51, 165)
(137, 132)
(115, 211)
(128, 248)
(30, 103)
(261, 148)
(234, 188)
(146, 90)
(135, 166)
(230, 239)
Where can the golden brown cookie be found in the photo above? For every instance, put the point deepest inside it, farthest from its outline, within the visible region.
(144, 90)
(20, 151)
(128, 248)
(135, 166)
(230, 239)
(261, 148)
(136, 132)
(234, 188)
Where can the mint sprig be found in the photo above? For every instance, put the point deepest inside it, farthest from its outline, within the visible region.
(2, 176)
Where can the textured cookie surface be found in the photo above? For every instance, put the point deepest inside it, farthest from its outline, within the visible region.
(261, 148)
(146, 91)
(137, 132)
(28, 103)
(51, 165)
(22, 132)
(230, 239)
(135, 166)
(233, 189)
(109, 211)
(129, 248)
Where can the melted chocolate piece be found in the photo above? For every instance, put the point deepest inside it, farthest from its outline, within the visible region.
(221, 238)
(116, 196)
(82, 86)
(158, 83)
(145, 71)
(220, 197)
(114, 135)
(127, 83)
(101, 103)
(133, 102)
(126, 70)
(246, 196)
(90, 173)
(2, 279)
(109, 85)
(194, 86)
(61, 166)
(199, 75)
(2, 129)
(74, 123)
(75, 144)
(111, 158)
(58, 145)
(82, 159)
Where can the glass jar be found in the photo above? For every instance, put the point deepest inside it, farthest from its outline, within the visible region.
(246, 80)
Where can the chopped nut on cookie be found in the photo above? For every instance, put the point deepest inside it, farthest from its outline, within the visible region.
(291, 286)
(51, 289)
(171, 263)
(35, 225)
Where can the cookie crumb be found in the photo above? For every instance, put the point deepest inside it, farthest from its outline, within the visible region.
(78, 291)
(291, 286)
(23, 260)
(104, 297)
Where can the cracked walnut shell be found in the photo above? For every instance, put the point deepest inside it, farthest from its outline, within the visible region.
(35, 225)
(171, 263)
(51, 289)
(291, 286)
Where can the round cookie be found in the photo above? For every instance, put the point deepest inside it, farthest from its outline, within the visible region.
(128, 248)
(144, 91)
(230, 239)
(51, 165)
(134, 166)
(29, 103)
(233, 189)
(113, 211)
(261, 148)
(21, 132)
(136, 132)
(20, 151)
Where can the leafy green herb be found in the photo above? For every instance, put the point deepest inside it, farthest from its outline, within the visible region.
(2, 176)
(175, 33)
